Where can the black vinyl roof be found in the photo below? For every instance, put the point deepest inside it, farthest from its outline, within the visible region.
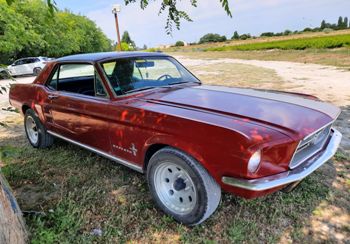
(95, 57)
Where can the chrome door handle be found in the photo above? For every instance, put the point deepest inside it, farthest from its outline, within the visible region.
(52, 97)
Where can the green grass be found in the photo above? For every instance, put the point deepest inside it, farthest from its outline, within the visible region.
(341, 157)
(79, 191)
(321, 42)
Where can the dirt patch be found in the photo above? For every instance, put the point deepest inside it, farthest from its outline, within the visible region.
(226, 74)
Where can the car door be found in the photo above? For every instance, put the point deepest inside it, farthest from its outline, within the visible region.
(31, 65)
(27, 66)
(17, 68)
(74, 109)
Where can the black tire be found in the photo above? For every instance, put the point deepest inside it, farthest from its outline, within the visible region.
(3, 75)
(36, 71)
(44, 139)
(208, 192)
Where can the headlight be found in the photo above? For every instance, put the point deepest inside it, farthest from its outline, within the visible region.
(254, 161)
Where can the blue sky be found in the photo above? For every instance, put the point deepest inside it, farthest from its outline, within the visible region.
(249, 16)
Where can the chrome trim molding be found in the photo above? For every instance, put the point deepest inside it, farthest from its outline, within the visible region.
(289, 176)
(104, 154)
(305, 138)
(315, 147)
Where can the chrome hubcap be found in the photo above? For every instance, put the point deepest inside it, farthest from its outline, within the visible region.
(175, 188)
(32, 130)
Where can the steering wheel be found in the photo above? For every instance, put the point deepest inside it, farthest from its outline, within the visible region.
(165, 77)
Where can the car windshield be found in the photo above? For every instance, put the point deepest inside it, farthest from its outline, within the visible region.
(134, 74)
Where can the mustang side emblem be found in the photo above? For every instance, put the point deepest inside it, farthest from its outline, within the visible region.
(132, 149)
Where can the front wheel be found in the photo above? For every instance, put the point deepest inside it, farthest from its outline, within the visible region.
(35, 131)
(181, 187)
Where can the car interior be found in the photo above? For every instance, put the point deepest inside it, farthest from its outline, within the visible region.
(82, 85)
(130, 74)
(90, 84)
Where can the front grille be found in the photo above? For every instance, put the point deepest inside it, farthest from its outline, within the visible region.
(310, 145)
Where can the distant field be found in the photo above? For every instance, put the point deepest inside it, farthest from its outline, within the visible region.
(326, 39)
(339, 57)
(321, 42)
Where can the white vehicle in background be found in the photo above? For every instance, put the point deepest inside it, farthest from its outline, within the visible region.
(28, 66)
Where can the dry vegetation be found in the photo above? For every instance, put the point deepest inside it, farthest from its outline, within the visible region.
(336, 57)
(200, 47)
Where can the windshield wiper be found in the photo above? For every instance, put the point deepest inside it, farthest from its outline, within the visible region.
(140, 89)
(182, 82)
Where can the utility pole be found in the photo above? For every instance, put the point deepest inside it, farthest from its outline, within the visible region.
(115, 11)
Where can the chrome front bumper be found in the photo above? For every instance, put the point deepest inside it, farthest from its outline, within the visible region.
(290, 176)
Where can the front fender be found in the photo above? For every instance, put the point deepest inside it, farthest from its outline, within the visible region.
(189, 148)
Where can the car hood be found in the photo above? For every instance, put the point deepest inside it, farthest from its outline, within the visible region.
(294, 115)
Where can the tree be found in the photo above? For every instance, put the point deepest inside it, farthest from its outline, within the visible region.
(127, 39)
(323, 24)
(29, 30)
(212, 38)
(144, 47)
(287, 32)
(245, 36)
(267, 34)
(174, 14)
(235, 36)
(346, 22)
(12, 226)
(179, 44)
(340, 22)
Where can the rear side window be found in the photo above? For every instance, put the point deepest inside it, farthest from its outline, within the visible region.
(76, 70)
(19, 62)
(77, 78)
(29, 60)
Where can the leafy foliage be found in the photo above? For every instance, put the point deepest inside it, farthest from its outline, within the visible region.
(342, 23)
(235, 36)
(127, 47)
(127, 39)
(30, 30)
(245, 36)
(174, 14)
(212, 38)
(179, 44)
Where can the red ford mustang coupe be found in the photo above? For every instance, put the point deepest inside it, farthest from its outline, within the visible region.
(147, 112)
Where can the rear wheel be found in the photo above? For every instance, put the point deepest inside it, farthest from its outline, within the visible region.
(181, 187)
(35, 131)
(36, 71)
(3, 75)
